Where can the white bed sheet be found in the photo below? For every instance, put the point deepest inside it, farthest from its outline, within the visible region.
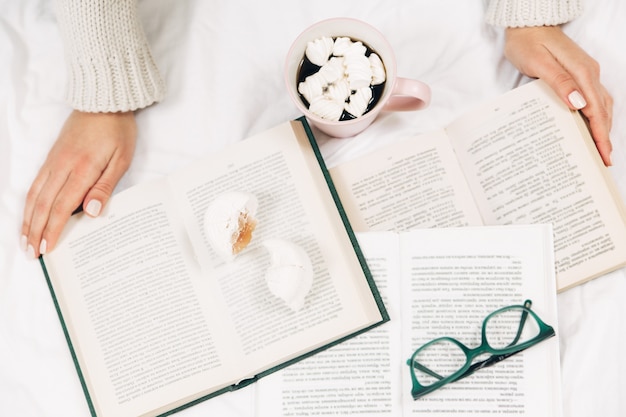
(223, 66)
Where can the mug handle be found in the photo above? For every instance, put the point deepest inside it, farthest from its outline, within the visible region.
(408, 94)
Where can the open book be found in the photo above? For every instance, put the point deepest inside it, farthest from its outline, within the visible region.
(156, 320)
(523, 158)
(436, 282)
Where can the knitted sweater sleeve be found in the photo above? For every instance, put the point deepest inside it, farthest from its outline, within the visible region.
(110, 67)
(518, 13)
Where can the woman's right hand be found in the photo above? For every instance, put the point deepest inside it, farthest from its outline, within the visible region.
(547, 53)
(90, 156)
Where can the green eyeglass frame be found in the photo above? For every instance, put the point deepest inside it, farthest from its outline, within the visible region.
(498, 354)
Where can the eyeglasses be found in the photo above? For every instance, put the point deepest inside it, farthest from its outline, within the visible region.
(505, 332)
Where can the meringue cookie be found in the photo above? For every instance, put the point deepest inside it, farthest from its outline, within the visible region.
(229, 222)
(326, 108)
(359, 100)
(290, 274)
(319, 50)
(339, 91)
(332, 71)
(355, 48)
(378, 69)
(341, 45)
(312, 87)
(359, 71)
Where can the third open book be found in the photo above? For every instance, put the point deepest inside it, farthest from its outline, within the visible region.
(523, 158)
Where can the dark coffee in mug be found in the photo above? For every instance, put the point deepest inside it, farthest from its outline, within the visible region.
(340, 78)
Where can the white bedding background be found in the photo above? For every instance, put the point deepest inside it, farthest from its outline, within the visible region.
(223, 64)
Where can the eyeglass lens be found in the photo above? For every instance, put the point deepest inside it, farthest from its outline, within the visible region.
(510, 327)
(438, 361)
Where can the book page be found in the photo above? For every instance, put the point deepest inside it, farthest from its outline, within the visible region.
(412, 183)
(279, 167)
(526, 162)
(124, 282)
(452, 279)
(358, 377)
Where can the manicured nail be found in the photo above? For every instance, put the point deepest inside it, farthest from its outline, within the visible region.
(23, 243)
(30, 252)
(43, 246)
(93, 208)
(577, 100)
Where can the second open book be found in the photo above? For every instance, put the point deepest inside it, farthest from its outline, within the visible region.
(523, 158)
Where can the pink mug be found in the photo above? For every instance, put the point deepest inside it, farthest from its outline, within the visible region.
(398, 94)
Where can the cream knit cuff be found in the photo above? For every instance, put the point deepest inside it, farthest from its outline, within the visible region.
(518, 13)
(110, 67)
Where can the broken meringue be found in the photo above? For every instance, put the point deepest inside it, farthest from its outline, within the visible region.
(229, 222)
(290, 274)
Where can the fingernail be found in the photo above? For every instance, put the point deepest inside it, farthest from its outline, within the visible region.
(93, 208)
(30, 252)
(43, 246)
(23, 242)
(577, 100)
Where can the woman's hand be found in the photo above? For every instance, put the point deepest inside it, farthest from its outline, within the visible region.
(546, 52)
(85, 164)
